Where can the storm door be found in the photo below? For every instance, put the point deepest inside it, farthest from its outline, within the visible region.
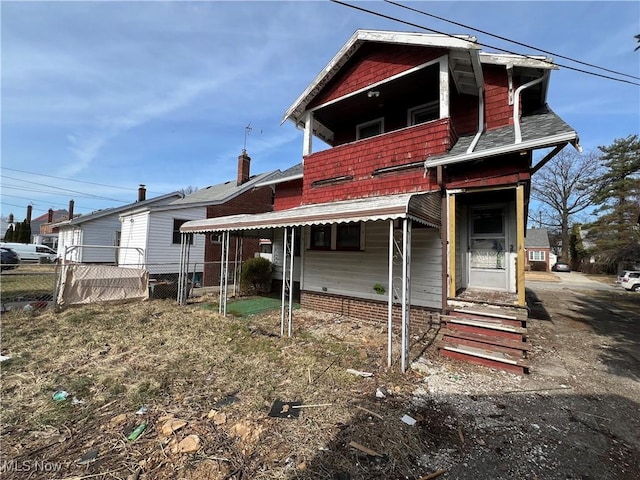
(487, 240)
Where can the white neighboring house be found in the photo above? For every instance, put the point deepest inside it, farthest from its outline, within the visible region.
(100, 228)
(155, 229)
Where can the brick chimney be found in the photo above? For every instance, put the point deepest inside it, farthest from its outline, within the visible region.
(244, 162)
(142, 193)
(50, 215)
(71, 203)
(29, 213)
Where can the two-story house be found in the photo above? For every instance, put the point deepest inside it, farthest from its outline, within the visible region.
(417, 211)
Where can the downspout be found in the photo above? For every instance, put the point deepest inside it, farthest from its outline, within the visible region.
(480, 119)
(516, 104)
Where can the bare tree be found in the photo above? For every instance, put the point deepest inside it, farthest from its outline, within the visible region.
(188, 190)
(565, 186)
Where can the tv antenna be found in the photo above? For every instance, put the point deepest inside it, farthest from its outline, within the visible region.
(247, 131)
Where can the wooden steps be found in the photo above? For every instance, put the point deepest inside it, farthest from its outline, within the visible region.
(491, 336)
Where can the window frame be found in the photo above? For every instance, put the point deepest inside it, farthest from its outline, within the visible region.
(361, 126)
(414, 111)
(334, 245)
(534, 253)
(177, 223)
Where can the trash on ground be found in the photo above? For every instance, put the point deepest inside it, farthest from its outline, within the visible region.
(364, 449)
(313, 405)
(281, 409)
(88, 457)
(60, 395)
(137, 432)
(381, 392)
(172, 425)
(370, 412)
(142, 410)
(4, 358)
(227, 400)
(359, 373)
(408, 420)
(76, 401)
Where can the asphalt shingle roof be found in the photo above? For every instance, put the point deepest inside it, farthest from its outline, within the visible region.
(537, 238)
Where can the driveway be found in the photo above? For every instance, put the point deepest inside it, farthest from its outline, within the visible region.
(570, 281)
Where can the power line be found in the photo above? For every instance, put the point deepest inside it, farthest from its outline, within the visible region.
(63, 189)
(509, 40)
(73, 180)
(382, 15)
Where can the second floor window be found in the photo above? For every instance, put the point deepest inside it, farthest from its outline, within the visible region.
(370, 129)
(423, 113)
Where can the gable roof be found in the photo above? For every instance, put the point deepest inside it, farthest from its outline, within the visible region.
(465, 45)
(291, 173)
(218, 194)
(539, 130)
(537, 238)
(80, 219)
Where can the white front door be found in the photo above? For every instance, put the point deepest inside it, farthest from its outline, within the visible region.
(487, 259)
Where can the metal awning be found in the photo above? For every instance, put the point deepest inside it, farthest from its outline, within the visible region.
(421, 207)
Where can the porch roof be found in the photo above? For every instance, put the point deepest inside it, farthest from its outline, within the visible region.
(423, 207)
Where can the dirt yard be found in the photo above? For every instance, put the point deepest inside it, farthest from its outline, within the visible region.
(204, 386)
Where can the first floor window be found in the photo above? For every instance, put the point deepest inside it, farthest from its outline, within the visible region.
(320, 237)
(537, 256)
(346, 236)
(215, 238)
(177, 223)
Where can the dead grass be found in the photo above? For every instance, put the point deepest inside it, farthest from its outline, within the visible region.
(190, 363)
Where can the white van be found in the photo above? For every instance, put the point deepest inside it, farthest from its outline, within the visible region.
(30, 252)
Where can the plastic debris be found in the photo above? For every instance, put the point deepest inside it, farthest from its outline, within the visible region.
(409, 420)
(137, 432)
(88, 457)
(142, 410)
(281, 409)
(4, 358)
(381, 392)
(359, 373)
(76, 401)
(60, 396)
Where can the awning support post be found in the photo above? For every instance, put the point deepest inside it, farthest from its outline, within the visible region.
(224, 268)
(183, 274)
(390, 298)
(406, 290)
(287, 280)
(237, 270)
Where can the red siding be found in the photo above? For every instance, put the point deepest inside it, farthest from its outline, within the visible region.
(372, 63)
(253, 201)
(506, 170)
(288, 195)
(359, 159)
(498, 112)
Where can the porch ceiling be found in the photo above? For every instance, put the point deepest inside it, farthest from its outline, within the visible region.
(422, 207)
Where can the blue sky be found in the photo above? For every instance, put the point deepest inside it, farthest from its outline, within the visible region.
(160, 93)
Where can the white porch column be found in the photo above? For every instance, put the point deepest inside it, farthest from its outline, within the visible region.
(308, 134)
(390, 297)
(444, 87)
(224, 268)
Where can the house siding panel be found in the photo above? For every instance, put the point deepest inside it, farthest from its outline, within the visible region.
(257, 200)
(373, 63)
(354, 274)
(360, 159)
(101, 231)
(163, 256)
(134, 235)
(288, 195)
(498, 112)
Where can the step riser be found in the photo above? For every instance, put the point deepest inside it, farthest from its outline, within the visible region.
(491, 320)
(485, 331)
(451, 331)
(486, 362)
(513, 352)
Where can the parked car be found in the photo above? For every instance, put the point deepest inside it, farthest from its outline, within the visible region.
(561, 267)
(10, 259)
(30, 252)
(631, 280)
